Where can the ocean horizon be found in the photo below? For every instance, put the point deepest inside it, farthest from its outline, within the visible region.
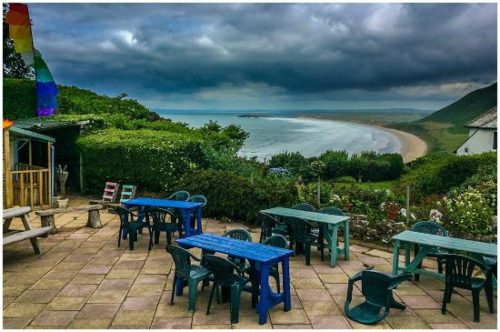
(280, 132)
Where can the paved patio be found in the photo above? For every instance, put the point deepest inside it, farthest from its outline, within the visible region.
(83, 280)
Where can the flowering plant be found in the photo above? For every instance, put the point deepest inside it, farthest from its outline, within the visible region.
(467, 210)
(279, 171)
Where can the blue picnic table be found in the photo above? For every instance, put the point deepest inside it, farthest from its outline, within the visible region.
(329, 223)
(260, 256)
(425, 242)
(185, 208)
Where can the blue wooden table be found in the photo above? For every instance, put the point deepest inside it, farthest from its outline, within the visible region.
(330, 224)
(185, 208)
(426, 242)
(264, 255)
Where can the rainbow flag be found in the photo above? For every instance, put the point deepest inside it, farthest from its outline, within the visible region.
(20, 32)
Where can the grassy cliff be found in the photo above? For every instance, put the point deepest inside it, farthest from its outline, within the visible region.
(444, 129)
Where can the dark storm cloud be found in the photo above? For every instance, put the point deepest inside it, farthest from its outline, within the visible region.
(181, 55)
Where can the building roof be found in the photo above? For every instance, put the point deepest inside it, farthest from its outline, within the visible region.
(26, 133)
(41, 125)
(488, 120)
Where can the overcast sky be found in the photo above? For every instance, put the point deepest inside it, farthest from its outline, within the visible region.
(279, 56)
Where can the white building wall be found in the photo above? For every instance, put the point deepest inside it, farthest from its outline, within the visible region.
(480, 140)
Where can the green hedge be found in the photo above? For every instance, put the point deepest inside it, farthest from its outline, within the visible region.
(152, 160)
(237, 197)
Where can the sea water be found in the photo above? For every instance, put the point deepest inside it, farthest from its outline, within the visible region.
(273, 134)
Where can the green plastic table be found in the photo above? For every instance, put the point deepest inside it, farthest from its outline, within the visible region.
(427, 241)
(329, 222)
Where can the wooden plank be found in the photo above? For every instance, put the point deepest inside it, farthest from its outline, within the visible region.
(49, 212)
(307, 215)
(32, 196)
(25, 235)
(22, 198)
(16, 212)
(447, 242)
(40, 188)
(9, 189)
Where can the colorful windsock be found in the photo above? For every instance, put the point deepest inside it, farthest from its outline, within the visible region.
(20, 32)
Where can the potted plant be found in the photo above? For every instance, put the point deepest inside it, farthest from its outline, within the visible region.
(62, 176)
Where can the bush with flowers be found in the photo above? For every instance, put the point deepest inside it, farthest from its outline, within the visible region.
(468, 211)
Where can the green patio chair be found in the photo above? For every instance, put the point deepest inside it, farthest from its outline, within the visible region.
(175, 215)
(460, 273)
(335, 211)
(157, 217)
(301, 236)
(132, 226)
(430, 227)
(185, 272)
(197, 199)
(225, 276)
(280, 242)
(270, 226)
(304, 207)
(244, 235)
(377, 288)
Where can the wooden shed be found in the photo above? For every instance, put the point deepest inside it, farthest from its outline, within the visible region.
(28, 160)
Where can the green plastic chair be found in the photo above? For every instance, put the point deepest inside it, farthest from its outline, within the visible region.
(244, 235)
(332, 210)
(270, 226)
(224, 276)
(430, 227)
(304, 207)
(197, 199)
(278, 241)
(459, 273)
(132, 226)
(377, 289)
(158, 220)
(300, 235)
(186, 272)
(180, 195)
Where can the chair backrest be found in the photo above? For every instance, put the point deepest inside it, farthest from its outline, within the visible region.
(124, 214)
(299, 229)
(157, 214)
(304, 207)
(332, 210)
(374, 286)
(460, 270)
(267, 223)
(110, 191)
(276, 241)
(179, 196)
(240, 234)
(429, 227)
(198, 199)
(222, 269)
(128, 192)
(182, 260)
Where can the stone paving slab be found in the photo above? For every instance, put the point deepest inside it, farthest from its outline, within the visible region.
(84, 281)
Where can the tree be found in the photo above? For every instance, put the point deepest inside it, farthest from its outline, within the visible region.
(13, 64)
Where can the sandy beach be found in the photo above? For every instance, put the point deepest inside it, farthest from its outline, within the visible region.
(412, 147)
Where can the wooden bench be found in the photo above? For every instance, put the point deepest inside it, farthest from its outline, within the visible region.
(94, 218)
(30, 233)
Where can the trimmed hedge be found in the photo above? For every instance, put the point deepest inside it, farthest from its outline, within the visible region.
(152, 160)
(237, 197)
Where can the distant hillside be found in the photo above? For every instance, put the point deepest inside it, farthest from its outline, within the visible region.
(466, 108)
(19, 102)
(444, 130)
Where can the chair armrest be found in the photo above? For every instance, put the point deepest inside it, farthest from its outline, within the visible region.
(399, 279)
(270, 217)
(194, 257)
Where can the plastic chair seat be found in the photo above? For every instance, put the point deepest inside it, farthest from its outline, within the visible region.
(366, 313)
(198, 271)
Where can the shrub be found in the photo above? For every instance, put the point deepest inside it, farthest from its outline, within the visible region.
(152, 160)
(235, 197)
(335, 163)
(345, 179)
(468, 211)
(295, 162)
